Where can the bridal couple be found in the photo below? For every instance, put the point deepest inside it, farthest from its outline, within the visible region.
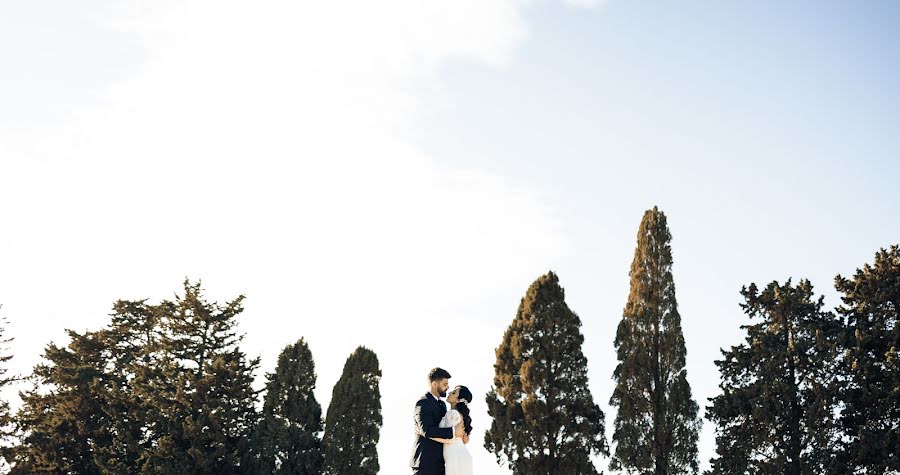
(442, 435)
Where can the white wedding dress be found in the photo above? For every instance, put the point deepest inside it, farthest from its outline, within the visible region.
(457, 459)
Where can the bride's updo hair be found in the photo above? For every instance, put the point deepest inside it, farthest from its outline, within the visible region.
(462, 405)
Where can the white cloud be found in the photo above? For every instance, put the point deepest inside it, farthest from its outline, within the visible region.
(585, 4)
(266, 148)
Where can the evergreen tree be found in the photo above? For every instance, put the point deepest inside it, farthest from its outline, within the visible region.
(136, 360)
(203, 398)
(776, 413)
(163, 389)
(287, 440)
(871, 364)
(656, 426)
(544, 417)
(83, 412)
(62, 421)
(353, 421)
(7, 429)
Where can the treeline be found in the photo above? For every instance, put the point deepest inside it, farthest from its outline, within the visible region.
(165, 388)
(809, 392)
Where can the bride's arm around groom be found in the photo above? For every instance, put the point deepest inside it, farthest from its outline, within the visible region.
(428, 418)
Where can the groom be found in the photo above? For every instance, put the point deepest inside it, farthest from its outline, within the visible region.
(428, 455)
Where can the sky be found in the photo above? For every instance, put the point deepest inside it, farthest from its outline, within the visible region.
(395, 174)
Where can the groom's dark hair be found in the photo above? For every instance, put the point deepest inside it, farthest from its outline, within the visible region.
(438, 374)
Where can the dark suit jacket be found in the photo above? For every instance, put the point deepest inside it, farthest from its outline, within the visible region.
(428, 455)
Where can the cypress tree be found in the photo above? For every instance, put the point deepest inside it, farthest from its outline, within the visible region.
(656, 425)
(776, 413)
(288, 438)
(871, 364)
(353, 421)
(544, 417)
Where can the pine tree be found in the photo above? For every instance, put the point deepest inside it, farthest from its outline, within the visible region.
(133, 341)
(544, 417)
(353, 421)
(288, 438)
(871, 364)
(7, 429)
(203, 398)
(776, 413)
(62, 421)
(83, 412)
(163, 389)
(656, 426)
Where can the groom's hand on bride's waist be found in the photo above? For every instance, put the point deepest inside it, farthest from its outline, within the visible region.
(461, 433)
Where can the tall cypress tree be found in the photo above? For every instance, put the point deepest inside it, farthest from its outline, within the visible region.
(353, 422)
(871, 364)
(544, 417)
(288, 438)
(776, 413)
(657, 425)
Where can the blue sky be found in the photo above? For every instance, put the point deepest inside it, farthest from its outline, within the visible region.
(767, 131)
(341, 155)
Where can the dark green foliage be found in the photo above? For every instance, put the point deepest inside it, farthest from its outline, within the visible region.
(776, 413)
(86, 406)
(63, 421)
(137, 359)
(353, 422)
(162, 389)
(544, 417)
(201, 403)
(288, 437)
(7, 430)
(656, 425)
(871, 364)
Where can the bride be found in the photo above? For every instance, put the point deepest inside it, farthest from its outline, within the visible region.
(457, 459)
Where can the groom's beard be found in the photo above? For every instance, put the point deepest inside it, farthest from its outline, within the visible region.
(442, 393)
